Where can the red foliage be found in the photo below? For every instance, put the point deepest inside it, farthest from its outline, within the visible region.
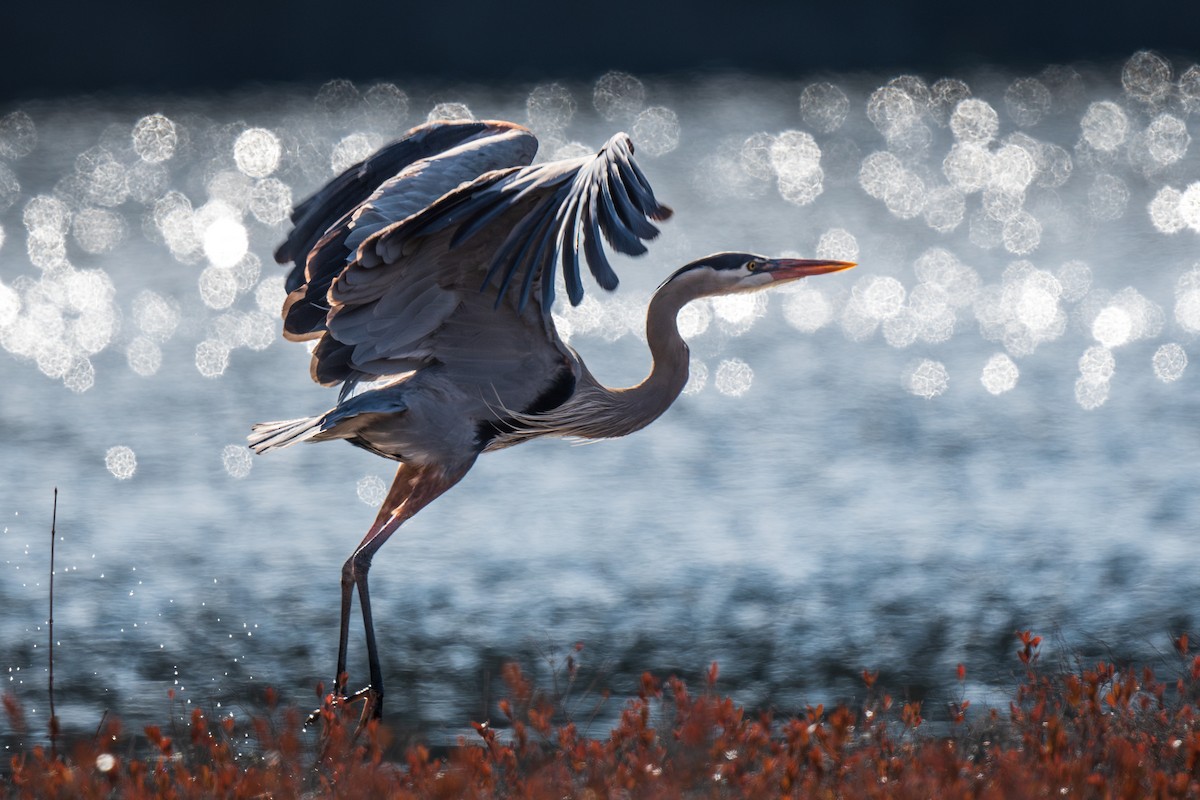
(1101, 733)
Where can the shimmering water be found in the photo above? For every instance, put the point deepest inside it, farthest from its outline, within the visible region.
(990, 424)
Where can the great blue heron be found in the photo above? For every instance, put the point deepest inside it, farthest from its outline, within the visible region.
(426, 275)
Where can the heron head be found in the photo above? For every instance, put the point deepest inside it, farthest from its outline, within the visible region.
(729, 273)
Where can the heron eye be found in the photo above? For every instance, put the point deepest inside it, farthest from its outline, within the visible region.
(752, 265)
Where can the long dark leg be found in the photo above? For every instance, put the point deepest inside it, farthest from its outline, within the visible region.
(413, 489)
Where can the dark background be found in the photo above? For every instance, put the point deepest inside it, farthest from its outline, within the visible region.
(65, 48)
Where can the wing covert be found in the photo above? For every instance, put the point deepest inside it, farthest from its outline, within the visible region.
(313, 217)
(391, 185)
(451, 285)
(574, 203)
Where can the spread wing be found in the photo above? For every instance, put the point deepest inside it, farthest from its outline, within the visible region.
(398, 181)
(466, 284)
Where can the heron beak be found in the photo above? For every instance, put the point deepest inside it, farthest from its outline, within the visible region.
(789, 269)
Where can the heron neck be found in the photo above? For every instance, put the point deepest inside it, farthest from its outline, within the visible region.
(645, 402)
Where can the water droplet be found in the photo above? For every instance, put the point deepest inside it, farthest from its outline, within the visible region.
(212, 358)
(48, 215)
(1147, 77)
(270, 294)
(155, 316)
(944, 209)
(337, 96)
(1112, 327)
(1091, 393)
(1107, 197)
(53, 358)
(98, 230)
(807, 309)
(974, 121)
(1097, 363)
(968, 167)
(155, 138)
(1105, 125)
(1027, 101)
(618, 96)
(927, 378)
(999, 374)
(734, 377)
(880, 170)
(225, 242)
(1167, 139)
(256, 152)
(450, 111)
(944, 97)
(901, 329)
(1164, 210)
(389, 102)
(271, 201)
(737, 312)
(905, 195)
(892, 111)
(1001, 204)
(1013, 168)
(18, 135)
(838, 244)
(1022, 233)
(1169, 362)
(218, 287)
(176, 222)
(1054, 166)
(796, 161)
(930, 309)
(824, 106)
(236, 459)
(352, 149)
(121, 462)
(940, 267)
(372, 490)
(880, 297)
(144, 356)
(694, 319)
(656, 131)
(1075, 278)
(102, 177)
(550, 107)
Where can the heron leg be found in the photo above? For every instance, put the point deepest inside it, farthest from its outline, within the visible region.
(413, 488)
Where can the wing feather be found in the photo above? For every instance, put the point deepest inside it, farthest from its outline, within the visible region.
(417, 287)
(398, 181)
(313, 217)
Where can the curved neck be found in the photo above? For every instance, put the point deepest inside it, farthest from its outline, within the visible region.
(596, 412)
(640, 405)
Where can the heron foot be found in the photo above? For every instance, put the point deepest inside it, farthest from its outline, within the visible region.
(332, 706)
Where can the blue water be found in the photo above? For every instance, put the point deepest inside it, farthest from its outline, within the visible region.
(829, 518)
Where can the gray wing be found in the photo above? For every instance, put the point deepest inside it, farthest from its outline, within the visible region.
(574, 202)
(467, 283)
(398, 181)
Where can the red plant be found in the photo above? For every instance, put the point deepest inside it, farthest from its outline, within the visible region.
(1104, 732)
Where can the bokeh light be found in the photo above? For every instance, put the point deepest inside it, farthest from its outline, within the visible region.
(121, 462)
(733, 378)
(927, 378)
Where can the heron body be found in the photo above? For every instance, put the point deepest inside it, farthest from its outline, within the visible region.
(426, 275)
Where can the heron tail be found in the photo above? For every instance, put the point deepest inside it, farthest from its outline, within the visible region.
(283, 433)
